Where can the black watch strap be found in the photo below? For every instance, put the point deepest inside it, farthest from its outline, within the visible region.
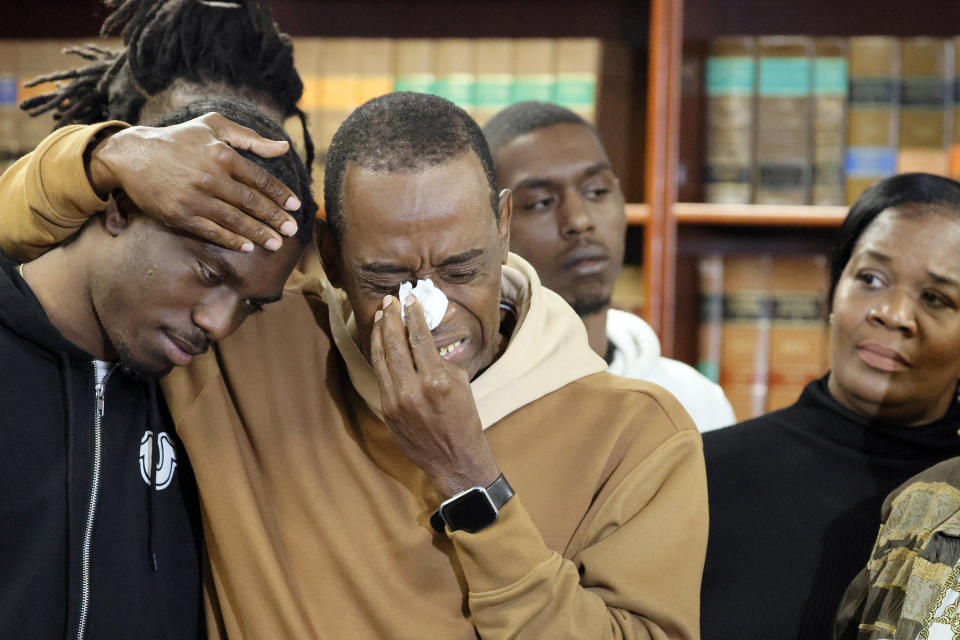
(499, 492)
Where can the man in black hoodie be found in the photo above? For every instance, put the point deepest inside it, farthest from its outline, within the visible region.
(101, 535)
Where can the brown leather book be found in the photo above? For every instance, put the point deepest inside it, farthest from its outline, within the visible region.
(455, 71)
(730, 81)
(415, 67)
(830, 80)
(307, 53)
(925, 106)
(494, 70)
(745, 337)
(798, 335)
(783, 171)
(376, 67)
(534, 69)
(872, 117)
(577, 69)
(710, 330)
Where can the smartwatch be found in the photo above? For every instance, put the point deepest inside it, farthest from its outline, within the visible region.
(474, 509)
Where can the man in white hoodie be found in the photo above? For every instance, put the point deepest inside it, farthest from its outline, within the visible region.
(569, 221)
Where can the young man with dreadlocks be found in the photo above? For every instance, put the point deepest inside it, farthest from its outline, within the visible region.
(176, 52)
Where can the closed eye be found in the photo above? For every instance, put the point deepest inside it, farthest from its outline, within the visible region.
(596, 194)
(253, 306)
(541, 204)
(208, 275)
(382, 289)
(461, 276)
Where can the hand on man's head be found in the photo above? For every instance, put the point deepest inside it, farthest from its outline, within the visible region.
(190, 177)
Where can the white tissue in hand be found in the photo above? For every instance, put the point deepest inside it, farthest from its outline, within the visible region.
(432, 301)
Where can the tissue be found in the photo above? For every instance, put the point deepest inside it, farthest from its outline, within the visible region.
(432, 301)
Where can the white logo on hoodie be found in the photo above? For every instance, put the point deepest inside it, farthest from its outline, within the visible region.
(166, 463)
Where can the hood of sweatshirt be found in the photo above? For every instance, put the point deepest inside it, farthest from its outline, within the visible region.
(21, 312)
(547, 350)
(636, 346)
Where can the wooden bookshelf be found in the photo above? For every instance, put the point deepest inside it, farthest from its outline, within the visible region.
(766, 215)
(688, 228)
(743, 215)
(638, 214)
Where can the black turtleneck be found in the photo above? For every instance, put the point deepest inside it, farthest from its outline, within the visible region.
(795, 501)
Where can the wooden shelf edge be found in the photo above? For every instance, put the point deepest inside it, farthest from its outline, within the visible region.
(758, 214)
(638, 214)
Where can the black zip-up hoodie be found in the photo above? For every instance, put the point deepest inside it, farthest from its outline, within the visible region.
(95, 541)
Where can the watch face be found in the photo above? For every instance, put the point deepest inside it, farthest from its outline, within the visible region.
(471, 511)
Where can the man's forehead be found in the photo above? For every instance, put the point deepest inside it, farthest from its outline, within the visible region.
(464, 167)
(433, 244)
(405, 202)
(556, 151)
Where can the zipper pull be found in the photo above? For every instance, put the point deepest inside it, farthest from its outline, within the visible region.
(101, 405)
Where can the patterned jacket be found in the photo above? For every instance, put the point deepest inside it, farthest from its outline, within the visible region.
(909, 588)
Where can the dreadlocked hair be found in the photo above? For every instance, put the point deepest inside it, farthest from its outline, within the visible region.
(84, 99)
(231, 42)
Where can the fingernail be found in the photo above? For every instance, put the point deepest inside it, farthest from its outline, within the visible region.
(246, 247)
(386, 301)
(377, 315)
(410, 300)
(292, 204)
(273, 244)
(288, 228)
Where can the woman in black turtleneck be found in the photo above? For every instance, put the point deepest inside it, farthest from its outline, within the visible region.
(795, 495)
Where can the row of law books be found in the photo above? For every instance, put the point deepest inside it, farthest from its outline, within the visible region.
(481, 75)
(804, 120)
(763, 330)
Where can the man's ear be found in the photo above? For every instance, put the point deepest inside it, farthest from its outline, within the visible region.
(505, 204)
(329, 253)
(116, 217)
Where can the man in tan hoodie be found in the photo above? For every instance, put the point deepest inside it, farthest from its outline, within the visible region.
(325, 435)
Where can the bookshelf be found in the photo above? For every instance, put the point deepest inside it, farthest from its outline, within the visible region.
(638, 214)
(744, 215)
(690, 228)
